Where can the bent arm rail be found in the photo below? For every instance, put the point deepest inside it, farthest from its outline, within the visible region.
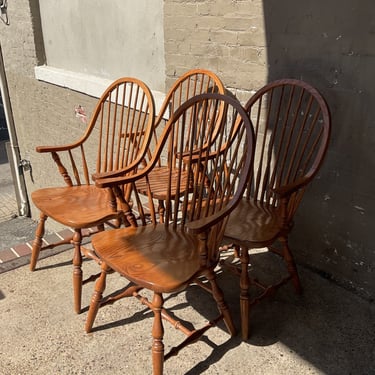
(74, 161)
(287, 190)
(204, 224)
(104, 182)
(42, 149)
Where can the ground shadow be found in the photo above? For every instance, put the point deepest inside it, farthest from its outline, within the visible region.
(327, 326)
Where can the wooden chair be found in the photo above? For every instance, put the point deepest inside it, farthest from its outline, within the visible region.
(193, 82)
(203, 187)
(120, 130)
(292, 129)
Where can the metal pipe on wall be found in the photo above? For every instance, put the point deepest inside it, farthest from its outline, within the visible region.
(14, 157)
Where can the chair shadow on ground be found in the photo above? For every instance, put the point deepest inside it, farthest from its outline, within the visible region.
(218, 351)
(60, 264)
(326, 326)
(207, 308)
(203, 303)
(143, 313)
(53, 266)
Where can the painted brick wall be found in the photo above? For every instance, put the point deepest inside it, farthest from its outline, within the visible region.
(226, 37)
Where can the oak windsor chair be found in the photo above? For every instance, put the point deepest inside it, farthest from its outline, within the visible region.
(193, 82)
(292, 128)
(214, 151)
(120, 129)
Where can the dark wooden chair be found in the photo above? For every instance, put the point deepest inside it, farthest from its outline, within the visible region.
(120, 131)
(292, 128)
(208, 166)
(193, 82)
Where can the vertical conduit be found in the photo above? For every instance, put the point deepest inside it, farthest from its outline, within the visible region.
(13, 152)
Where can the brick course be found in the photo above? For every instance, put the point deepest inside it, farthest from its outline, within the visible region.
(226, 37)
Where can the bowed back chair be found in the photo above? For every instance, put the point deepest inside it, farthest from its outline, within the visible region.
(292, 128)
(120, 130)
(193, 82)
(208, 158)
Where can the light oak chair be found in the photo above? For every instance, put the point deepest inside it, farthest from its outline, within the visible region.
(292, 129)
(120, 130)
(209, 154)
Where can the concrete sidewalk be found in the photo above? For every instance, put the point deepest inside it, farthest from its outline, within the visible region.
(327, 330)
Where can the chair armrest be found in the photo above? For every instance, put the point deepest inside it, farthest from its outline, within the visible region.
(197, 155)
(287, 190)
(118, 173)
(42, 149)
(201, 225)
(115, 180)
(77, 163)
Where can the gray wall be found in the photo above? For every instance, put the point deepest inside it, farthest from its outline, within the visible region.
(330, 44)
(106, 39)
(43, 113)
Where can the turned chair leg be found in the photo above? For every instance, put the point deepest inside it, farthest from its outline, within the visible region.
(244, 293)
(157, 335)
(291, 265)
(38, 241)
(77, 270)
(218, 295)
(130, 218)
(96, 298)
